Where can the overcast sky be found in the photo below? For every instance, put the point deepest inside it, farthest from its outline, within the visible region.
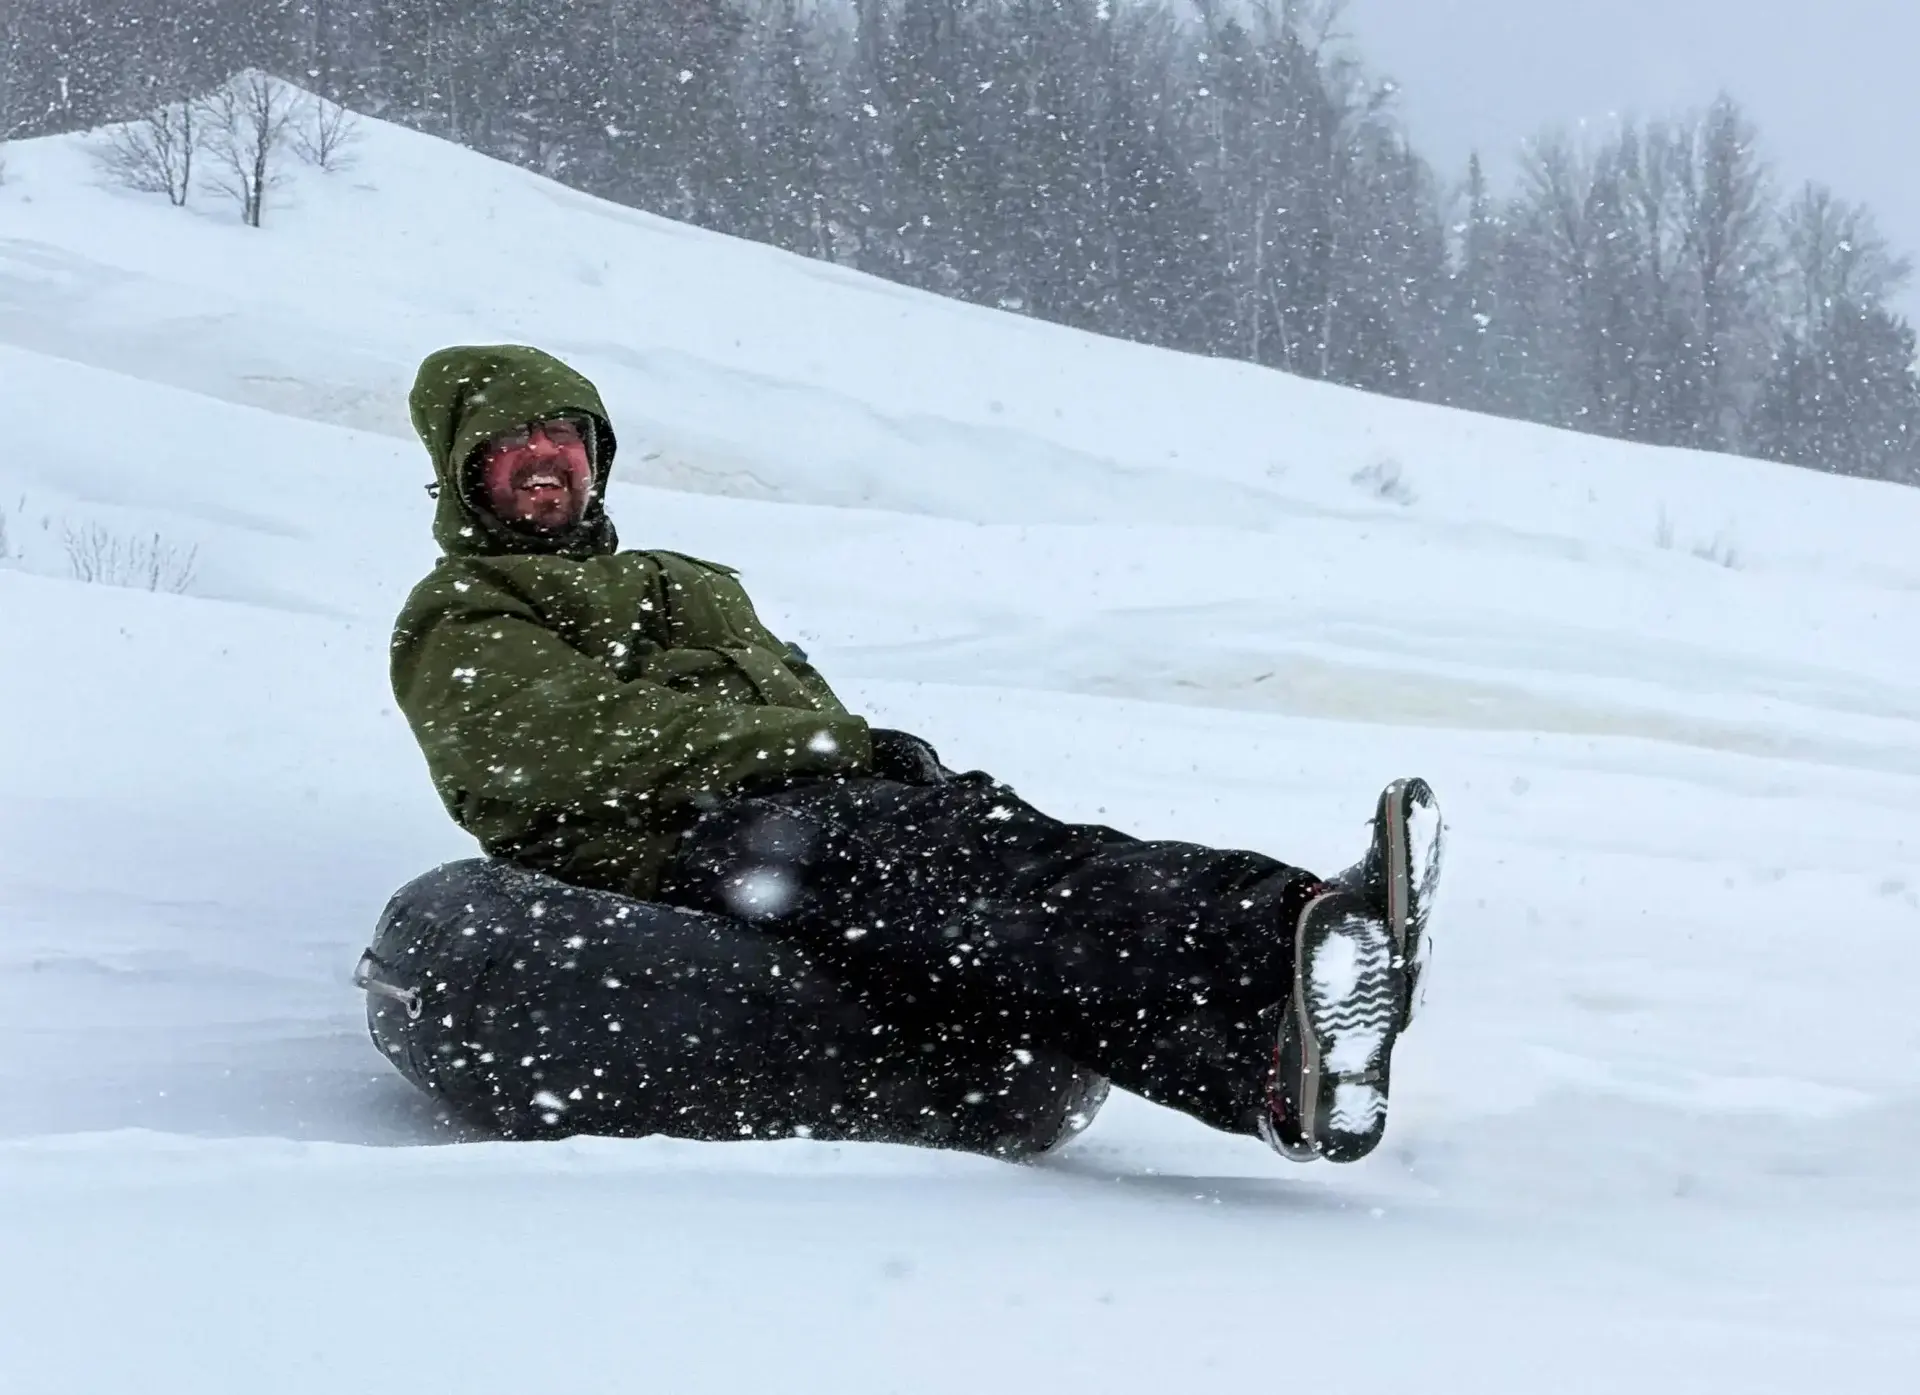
(1829, 82)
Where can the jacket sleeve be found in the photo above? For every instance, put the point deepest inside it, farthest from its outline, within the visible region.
(506, 710)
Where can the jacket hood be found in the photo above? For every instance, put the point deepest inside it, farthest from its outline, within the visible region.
(465, 396)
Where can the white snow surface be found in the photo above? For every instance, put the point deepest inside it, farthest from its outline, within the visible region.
(1656, 1129)
(1360, 954)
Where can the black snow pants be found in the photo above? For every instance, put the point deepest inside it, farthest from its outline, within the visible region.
(960, 909)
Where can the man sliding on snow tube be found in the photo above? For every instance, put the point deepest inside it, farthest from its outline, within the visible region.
(619, 726)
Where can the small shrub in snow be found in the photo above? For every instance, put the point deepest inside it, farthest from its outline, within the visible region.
(1383, 479)
(1722, 550)
(246, 127)
(323, 134)
(153, 153)
(143, 563)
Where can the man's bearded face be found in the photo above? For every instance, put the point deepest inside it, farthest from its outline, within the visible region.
(539, 479)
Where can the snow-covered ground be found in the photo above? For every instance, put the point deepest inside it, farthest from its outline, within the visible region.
(1657, 1129)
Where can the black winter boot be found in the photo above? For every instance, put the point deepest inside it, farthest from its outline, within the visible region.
(1360, 948)
(1327, 1094)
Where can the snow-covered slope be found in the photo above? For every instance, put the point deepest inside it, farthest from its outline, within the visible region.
(1655, 1130)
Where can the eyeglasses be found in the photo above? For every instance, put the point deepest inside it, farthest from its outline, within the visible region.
(561, 431)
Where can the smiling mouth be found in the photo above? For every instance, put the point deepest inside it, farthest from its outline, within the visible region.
(541, 481)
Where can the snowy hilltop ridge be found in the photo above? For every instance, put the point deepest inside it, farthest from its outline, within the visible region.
(855, 391)
(1666, 1086)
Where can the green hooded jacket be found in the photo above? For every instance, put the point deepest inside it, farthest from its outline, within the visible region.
(577, 704)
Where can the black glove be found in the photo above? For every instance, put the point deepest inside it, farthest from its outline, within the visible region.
(902, 756)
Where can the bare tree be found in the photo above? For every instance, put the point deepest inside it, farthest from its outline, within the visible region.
(153, 153)
(16, 48)
(1726, 214)
(1653, 318)
(246, 131)
(323, 134)
(1548, 262)
(1650, 186)
(1835, 259)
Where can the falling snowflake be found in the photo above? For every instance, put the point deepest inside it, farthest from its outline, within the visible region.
(763, 892)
